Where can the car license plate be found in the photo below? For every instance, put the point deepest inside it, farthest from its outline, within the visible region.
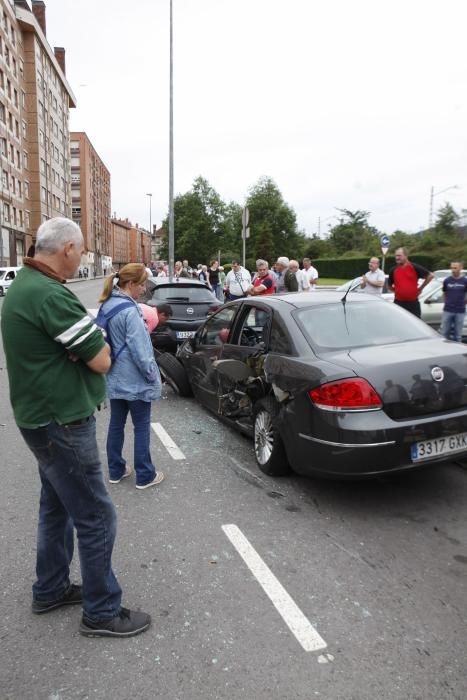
(428, 449)
(182, 335)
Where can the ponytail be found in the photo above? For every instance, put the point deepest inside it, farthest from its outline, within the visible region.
(108, 286)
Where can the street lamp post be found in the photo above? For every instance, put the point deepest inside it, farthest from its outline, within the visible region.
(171, 156)
(433, 195)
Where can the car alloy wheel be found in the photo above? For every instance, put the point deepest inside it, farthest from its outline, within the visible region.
(269, 449)
(264, 437)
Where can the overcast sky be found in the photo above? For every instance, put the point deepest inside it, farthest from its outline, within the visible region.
(345, 104)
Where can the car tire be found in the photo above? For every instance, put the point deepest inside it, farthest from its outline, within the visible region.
(269, 448)
(174, 373)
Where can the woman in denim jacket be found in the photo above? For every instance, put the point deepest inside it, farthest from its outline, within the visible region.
(133, 380)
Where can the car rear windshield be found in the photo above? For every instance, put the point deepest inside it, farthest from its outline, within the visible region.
(182, 292)
(339, 326)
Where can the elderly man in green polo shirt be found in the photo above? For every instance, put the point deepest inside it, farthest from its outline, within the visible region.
(56, 360)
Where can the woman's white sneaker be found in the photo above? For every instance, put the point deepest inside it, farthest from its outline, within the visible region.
(128, 472)
(157, 480)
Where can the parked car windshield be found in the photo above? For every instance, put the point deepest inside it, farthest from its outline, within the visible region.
(182, 292)
(2, 274)
(339, 326)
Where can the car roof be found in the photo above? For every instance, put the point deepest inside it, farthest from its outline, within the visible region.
(304, 299)
(175, 281)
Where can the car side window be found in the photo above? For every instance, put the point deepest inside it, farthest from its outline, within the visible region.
(437, 297)
(254, 326)
(216, 330)
(278, 339)
(10, 276)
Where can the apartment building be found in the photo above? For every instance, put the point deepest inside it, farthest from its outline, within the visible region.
(35, 99)
(120, 234)
(140, 245)
(90, 192)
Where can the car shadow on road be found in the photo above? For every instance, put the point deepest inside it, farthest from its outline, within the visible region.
(429, 490)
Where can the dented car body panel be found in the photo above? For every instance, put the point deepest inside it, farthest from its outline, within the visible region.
(291, 344)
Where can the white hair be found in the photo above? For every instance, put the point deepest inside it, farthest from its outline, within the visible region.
(283, 261)
(54, 233)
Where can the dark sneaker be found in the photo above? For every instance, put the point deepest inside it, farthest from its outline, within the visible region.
(126, 624)
(72, 596)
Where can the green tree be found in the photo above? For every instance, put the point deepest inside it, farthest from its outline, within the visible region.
(199, 218)
(353, 234)
(447, 222)
(273, 224)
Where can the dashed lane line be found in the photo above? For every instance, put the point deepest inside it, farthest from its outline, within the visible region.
(174, 451)
(293, 617)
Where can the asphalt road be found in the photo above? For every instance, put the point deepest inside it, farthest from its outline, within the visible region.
(371, 576)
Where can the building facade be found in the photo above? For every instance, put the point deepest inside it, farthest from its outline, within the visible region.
(140, 245)
(90, 192)
(45, 126)
(120, 234)
(35, 99)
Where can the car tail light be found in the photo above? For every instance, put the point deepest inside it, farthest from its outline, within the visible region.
(346, 395)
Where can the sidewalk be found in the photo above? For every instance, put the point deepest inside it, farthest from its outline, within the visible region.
(84, 279)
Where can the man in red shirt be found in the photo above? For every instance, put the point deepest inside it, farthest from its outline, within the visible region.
(403, 281)
(264, 281)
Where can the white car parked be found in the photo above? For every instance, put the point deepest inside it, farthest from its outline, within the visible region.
(7, 275)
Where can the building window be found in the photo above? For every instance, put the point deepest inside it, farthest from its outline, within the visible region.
(2, 80)
(13, 36)
(27, 219)
(15, 97)
(21, 68)
(43, 194)
(41, 137)
(15, 70)
(25, 129)
(25, 160)
(21, 218)
(6, 213)
(2, 113)
(14, 216)
(17, 128)
(20, 189)
(23, 98)
(3, 147)
(8, 88)
(4, 179)
(26, 189)
(13, 184)
(42, 166)
(7, 55)
(18, 160)
(10, 121)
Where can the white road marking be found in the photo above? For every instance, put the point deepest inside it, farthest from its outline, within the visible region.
(293, 617)
(167, 441)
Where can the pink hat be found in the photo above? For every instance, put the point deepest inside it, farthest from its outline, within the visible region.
(150, 316)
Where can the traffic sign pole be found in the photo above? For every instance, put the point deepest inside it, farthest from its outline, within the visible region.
(384, 240)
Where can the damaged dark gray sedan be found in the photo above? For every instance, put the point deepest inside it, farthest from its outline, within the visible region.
(332, 386)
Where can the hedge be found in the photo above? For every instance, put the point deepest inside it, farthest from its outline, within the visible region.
(348, 268)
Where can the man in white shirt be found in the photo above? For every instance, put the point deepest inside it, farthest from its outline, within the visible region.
(373, 280)
(311, 273)
(237, 281)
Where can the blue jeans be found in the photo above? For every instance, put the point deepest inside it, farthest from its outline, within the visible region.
(452, 325)
(141, 417)
(73, 493)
